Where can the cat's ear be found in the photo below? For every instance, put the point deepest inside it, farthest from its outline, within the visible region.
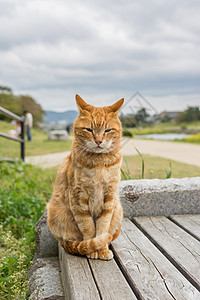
(117, 105)
(82, 105)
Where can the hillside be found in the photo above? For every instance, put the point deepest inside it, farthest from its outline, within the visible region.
(65, 118)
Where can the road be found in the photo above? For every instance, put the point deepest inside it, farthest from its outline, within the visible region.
(182, 152)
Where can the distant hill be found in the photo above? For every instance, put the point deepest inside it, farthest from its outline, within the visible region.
(66, 117)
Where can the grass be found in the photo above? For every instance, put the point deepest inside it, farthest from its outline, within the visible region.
(166, 128)
(23, 196)
(39, 145)
(162, 128)
(149, 167)
(195, 139)
(24, 193)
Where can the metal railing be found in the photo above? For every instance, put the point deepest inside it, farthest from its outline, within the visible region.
(20, 140)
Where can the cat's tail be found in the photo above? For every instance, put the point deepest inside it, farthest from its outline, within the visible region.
(87, 246)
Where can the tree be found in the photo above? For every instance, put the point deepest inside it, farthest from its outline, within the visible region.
(17, 105)
(192, 113)
(11, 103)
(29, 104)
(128, 121)
(5, 89)
(141, 116)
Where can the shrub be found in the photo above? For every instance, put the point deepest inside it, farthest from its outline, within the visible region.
(127, 133)
(23, 196)
(15, 255)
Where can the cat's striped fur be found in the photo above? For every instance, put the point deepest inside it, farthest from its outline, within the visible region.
(84, 212)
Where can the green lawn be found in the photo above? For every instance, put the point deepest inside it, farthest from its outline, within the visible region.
(166, 128)
(39, 145)
(156, 167)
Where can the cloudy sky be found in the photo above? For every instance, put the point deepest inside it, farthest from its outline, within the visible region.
(103, 50)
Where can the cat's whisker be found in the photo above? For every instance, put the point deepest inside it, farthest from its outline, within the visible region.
(80, 149)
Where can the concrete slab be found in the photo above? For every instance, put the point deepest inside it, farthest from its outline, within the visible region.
(45, 281)
(46, 245)
(156, 197)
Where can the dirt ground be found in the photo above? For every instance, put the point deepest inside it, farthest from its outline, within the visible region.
(182, 152)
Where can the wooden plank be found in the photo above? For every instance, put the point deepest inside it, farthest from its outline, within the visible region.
(191, 223)
(196, 218)
(110, 280)
(180, 247)
(77, 279)
(148, 271)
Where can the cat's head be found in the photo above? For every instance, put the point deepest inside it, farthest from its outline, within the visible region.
(98, 129)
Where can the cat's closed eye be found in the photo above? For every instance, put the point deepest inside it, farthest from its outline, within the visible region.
(89, 129)
(107, 130)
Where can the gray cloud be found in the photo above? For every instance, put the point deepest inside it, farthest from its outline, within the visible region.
(102, 49)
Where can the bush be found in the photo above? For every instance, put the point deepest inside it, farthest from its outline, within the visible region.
(23, 196)
(127, 133)
(15, 255)
(184, 126)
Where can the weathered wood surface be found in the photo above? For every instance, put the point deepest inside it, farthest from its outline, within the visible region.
(190, 223)
(154, 258)
(77, 279)
(93, 279)
(148, 271)
(110, 280)
(182, 249)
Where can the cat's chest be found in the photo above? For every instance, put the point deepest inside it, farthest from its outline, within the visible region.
(96, 182)
(97, 175)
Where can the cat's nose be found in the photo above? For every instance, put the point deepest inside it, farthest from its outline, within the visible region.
(98, 142)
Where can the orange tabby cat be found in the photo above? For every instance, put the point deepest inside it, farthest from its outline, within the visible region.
(84, 212)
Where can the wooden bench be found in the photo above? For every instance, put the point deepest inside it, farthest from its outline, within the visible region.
(154, 258)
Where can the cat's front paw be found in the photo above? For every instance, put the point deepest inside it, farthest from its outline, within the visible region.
(105, 254)
(93, 255)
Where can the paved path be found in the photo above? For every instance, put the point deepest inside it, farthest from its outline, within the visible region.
(47, 160)
(182, 152)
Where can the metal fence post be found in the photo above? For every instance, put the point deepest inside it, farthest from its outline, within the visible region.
(23, 140)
